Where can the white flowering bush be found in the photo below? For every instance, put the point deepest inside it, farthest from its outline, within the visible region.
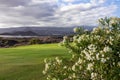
(95, 55)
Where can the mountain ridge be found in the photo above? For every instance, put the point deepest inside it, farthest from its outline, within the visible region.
(39, 31)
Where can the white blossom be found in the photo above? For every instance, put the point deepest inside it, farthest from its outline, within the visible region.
(74, 76)
(94, 29)
(103, 60)
(107, 49)
(58, 60)
(73, 67)
(91, 46)
(44, 72)
(76, 63)
(65, 67)
(119, 63)
(113, 63)
(107, 58)
(87, 55)
(46, 66)
(80, 61)
(97, 56)
(103, 55)
(114, 20)
(94, 76)
(90, 66)
(76, 30)
(65, 37)
(108, 31)
(75, 38)
(45, 60)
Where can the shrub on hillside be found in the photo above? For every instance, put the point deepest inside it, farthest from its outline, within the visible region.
(95, 56)
(7, 42)
(10, 42)
(34, 41)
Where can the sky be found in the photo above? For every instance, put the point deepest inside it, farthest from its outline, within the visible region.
(56, 13)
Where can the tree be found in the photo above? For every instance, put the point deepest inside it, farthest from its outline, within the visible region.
(34, 41)
(95, 56)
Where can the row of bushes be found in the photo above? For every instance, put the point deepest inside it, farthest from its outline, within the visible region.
(8, 42)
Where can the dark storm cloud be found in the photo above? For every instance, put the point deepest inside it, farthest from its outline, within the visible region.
(39, 10)
(11, 3)
(30, 14)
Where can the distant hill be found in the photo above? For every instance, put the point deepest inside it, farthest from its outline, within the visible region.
(38, 31)
(21, 33)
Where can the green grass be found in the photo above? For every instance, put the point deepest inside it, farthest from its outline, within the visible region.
(26, 62)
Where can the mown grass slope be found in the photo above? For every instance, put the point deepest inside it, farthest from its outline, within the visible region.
(26, 62)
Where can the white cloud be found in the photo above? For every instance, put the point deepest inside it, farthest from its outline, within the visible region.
(81, 6)
(68, 0)
(85, 13)
(49, 13)
(97, 1)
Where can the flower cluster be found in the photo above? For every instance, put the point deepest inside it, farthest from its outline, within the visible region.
(95, 55)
